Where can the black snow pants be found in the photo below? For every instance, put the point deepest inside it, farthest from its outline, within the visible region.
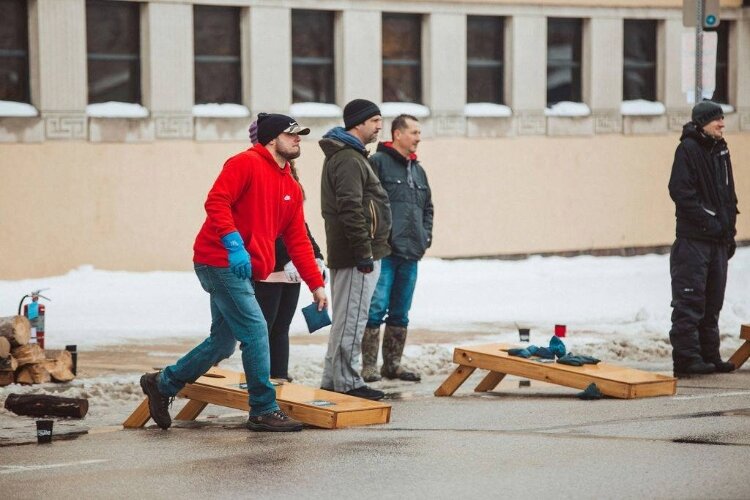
(699, 278)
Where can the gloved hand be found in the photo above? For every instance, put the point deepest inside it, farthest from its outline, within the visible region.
(290, 270)
(366, 266)
(323, 270)
(732, 248)
(239, 259)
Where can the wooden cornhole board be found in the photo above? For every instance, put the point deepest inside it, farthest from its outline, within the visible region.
(316, 407)
(739, 357)
(612, 380)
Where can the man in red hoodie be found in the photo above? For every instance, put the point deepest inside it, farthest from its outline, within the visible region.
(253, 201)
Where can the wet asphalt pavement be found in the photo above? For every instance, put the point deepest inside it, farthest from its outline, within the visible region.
(517, 442)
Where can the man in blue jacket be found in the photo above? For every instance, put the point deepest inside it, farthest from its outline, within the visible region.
(405, 181)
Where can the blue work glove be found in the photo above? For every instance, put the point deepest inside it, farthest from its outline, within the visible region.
(239, 259)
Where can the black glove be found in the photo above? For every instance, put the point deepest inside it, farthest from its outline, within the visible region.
(366, 266)
(732, 248)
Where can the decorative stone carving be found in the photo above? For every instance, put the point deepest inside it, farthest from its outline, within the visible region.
(21, 129)
(531, 124)
(66, 126)
(678, 118)
(744, 119)
(173, 126)
(607, 122)
(449, 126)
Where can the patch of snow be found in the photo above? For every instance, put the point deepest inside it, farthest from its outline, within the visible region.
(727, 108)
(17, 109)
(227, 110)
(487, 109)
(315, 110)
(641, 107)
(114, 109)
(393, 109)
(567, 108)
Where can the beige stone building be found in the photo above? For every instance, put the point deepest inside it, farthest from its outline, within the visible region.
(549, 126)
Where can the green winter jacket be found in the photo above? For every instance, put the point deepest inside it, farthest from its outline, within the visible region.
(355, 207)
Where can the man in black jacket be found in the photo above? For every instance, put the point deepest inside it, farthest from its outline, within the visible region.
(405, 181)
(702, 187)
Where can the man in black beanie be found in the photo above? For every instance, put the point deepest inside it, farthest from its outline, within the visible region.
(702, 188)
(358, 221)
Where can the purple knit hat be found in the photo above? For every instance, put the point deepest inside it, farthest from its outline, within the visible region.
(253, 130)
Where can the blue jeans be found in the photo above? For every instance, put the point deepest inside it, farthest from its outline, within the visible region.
(235, 315)
(393, 293)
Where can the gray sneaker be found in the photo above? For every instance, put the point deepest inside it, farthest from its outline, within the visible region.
(276, 421)
(158, 404)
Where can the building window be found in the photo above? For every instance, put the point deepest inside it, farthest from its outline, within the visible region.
(113, 51)
(721, 93)
(564, 40)
(217, 49)
(402, 58)
(313, 76)
(14, 51)
(484, 54)
(639, 66)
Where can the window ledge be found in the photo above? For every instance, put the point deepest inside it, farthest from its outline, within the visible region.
(114, 109)
(12, 109)
(215, 110)
(393, 109)
(487, 110)
(315, 110)
(641, 107)
(567, 109)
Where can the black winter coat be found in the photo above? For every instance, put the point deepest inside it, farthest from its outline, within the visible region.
(411, 205)
(282, 256)
(702, 187)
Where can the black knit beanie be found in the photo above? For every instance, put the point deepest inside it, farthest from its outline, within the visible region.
(270, 125)
(358, 111)
(705, 112)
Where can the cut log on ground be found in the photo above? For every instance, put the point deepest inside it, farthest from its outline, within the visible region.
(33, 374)
(6, 378)
(36, 405)
(29, 354)
(16, 329)
(61, 355)
(4, 347)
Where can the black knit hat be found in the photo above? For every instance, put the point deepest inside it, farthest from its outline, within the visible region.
(271, 125)
(359, 111)
(705, 112)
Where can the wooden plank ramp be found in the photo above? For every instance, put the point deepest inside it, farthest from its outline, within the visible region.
(315, 407)
(612, 380)
(739, 357)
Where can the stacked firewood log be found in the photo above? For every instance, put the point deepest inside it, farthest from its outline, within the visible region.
(25, 363)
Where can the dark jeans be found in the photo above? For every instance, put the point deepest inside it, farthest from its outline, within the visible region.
(278, 301)
(393, 293)
(235, 315)
(699, 278)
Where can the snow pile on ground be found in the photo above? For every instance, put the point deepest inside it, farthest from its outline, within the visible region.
(627, 297)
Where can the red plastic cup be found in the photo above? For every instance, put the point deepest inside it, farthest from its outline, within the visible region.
(559, 330)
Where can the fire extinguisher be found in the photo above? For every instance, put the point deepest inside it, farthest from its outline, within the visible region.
(35, 311)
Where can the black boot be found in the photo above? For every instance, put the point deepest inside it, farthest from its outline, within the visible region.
(696, 367)
(722, 366)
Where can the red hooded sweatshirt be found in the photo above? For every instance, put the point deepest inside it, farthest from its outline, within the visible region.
(261, 201)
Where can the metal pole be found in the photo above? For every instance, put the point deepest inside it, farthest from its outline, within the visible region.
(698, 50)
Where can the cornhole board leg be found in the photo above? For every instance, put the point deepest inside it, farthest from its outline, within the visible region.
(139, 417)
(191, 410)
(454, 380)
(489, 382)
(743, 353)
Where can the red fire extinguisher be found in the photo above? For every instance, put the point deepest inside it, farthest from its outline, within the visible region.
(35, 311)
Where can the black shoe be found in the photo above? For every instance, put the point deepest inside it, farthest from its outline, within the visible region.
(723, 366)
(365, 392)
(276, 421)
(158, 404)
(694, 368)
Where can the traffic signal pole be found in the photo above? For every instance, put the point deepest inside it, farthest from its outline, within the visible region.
(698, 51)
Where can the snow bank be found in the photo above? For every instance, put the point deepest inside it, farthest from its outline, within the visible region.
(315, 110)
(214, 110)
(567, 108)
(487, 109)
(640, 107)
(393, 109)
(12, 108)
(116, 110)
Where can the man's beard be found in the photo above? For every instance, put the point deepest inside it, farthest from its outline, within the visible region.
(290, 155)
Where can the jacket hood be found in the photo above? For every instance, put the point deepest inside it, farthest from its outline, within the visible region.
(264, 153)
(337, 139)
(691, 130)
(387, 148)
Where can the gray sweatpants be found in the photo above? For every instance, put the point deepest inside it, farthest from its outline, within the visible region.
(351, 292)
